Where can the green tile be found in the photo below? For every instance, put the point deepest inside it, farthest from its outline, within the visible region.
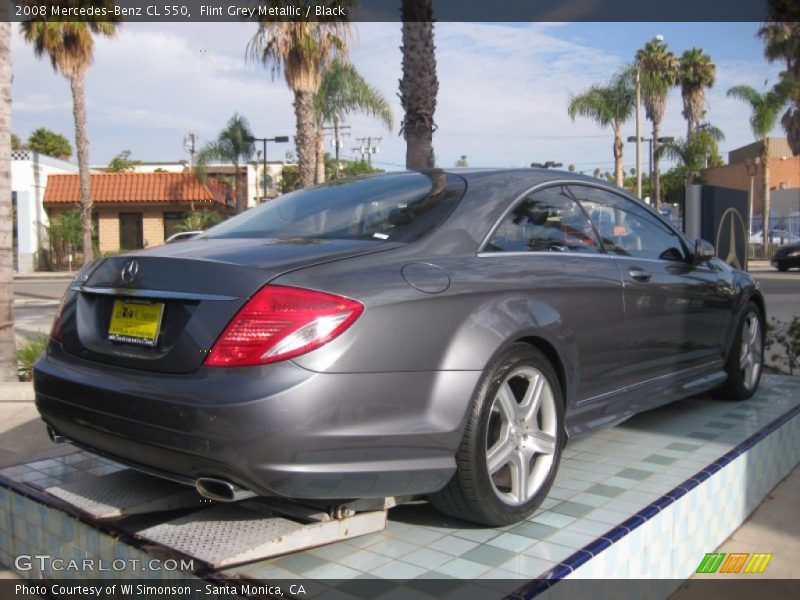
(553, 519)
(657, 459)
(529, 566)
(699, 435)
(683, 447)
(575, 509)
(489, 555)
(512, 542)
(453, 545)
(364, 560)
(393, 548)
(536, 531)
(300, 562)
(608, 491)
(463, 569)
(332, 571)
(428, 558)
(719, 425)
(397, 569)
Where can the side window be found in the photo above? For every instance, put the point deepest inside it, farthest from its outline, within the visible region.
(548, 220)
(626, 228)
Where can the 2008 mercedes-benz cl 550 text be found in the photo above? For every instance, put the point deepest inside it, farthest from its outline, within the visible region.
(436, 334)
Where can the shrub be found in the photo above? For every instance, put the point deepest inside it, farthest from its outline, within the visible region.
(28, 352)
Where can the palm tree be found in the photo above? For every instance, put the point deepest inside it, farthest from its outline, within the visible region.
(70, 48)
(659, 73)
(419, 85)
(609, 105)
(343, 91)
(8, 353)
(234, 144)
(764, 111)
(301, 50)
(696, 72)
(691, 154)
(781, 35)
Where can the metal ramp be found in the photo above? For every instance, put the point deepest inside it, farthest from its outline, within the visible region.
(219, 534)
(124, 493)
(231, 534)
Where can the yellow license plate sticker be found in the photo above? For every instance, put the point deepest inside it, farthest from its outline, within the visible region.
(135, 322)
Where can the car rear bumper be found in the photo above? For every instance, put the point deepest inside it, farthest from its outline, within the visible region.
(276, 430)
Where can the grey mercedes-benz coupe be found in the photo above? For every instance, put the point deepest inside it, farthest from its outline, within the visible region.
(435, 333)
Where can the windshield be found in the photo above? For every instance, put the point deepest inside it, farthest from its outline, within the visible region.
(400, 207)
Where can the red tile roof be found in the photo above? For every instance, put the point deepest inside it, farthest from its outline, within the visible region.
(136, 187)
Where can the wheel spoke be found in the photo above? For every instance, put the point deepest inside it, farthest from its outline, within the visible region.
(532, 401)
(541, 442)
(520, 471)
(507, 404)
(500, 453)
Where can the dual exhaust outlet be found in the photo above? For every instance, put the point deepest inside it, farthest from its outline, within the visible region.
(211, 488)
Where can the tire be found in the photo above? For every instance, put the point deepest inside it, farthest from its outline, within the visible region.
(746, 357)
(506, 493)
(782, 267)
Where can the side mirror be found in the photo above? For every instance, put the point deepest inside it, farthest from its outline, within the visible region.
(703, 250)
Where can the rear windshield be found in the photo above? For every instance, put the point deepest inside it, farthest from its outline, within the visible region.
(398, 207)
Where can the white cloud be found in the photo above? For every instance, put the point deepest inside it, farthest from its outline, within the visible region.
(502, 97)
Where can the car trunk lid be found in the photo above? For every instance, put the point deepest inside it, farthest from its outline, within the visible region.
(180, 297)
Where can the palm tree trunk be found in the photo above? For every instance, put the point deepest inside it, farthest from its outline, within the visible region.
(419, 85)
(8, 353)
(619, 174)
(241, 189)
(76, 81)
(304, 140)
(655, 192)
(320, 146)
(765, 189)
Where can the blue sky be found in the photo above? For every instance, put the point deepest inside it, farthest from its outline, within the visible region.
(503, 88)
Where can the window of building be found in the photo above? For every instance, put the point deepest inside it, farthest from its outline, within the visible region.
(130, 231)
(172, 221)
(548, 220)
(627, 228)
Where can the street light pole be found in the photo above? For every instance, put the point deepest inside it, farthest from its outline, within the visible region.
(280, 139)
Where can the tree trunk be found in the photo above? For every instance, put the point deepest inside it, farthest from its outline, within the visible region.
(419, 85)
(8, 352)
(241, 189)
(82, 145)
(304, 140)
(655, 190)
(320, 146)
(765, 189)
(619, 173)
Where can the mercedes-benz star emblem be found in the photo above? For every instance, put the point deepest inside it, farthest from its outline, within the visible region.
(129, 271)
(731, 238)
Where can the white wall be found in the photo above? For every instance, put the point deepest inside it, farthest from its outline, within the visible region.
(29, 172)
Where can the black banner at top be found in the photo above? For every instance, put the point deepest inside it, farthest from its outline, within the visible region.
(387, 10)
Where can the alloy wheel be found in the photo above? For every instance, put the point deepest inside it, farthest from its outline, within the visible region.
(521, 436)
(750, 355)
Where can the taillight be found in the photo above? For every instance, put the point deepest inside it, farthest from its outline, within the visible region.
(55, 330)
(282, 322)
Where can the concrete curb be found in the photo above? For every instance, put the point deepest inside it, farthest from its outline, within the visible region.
(12, 391)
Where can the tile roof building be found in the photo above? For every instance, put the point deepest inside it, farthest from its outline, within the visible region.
(138, 210)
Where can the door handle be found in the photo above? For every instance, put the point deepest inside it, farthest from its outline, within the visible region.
(639, 274)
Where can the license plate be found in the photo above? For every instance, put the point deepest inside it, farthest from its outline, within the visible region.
(135, 322)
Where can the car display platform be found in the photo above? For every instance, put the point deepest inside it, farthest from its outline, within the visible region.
(646, 499)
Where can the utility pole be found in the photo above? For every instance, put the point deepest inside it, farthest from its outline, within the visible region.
(190, 143)
(368, 149)
(337, 143)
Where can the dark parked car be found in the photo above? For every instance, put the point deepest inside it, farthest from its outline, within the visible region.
(438, 333)
(787, 257)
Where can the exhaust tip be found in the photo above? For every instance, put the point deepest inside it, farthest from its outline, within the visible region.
(54, 436)
(219, 490)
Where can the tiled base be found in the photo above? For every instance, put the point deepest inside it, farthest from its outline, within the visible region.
(646, 499)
